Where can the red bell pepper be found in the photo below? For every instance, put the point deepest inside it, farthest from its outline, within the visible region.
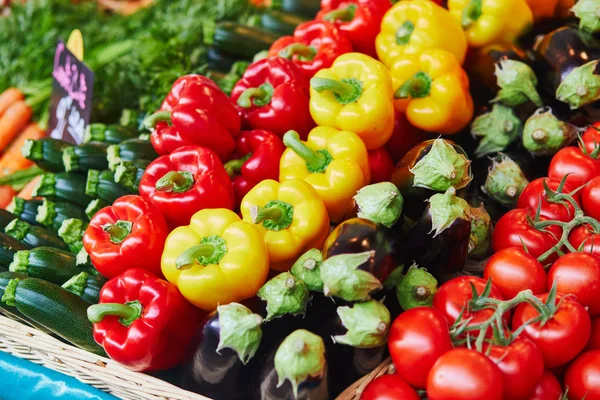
(258, 153)
(404, 137)
(143, 322)
(129, 234)
(195, 112)
(314, 46)
(381, 165)
(185, 182)
(274, 95)
(360, 20)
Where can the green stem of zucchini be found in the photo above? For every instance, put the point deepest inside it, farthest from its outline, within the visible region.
(10, 293)
(77, 283)
(127, 312)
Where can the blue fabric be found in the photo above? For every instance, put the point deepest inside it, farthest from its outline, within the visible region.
(23, 380)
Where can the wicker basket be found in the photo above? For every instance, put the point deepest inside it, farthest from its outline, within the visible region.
(29, 343)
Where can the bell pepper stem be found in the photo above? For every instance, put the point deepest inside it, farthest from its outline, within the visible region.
(344, 14)
(259, 96)
(118, 231)
(175, 181)
(210, 250)
(260, 214)
(275, 215)
(417, 87)
(127, 312)
(160, 116)
(404, 33)
(346, 91)
(234, 167)
(304, 52)
(471, 13)
(315, 161)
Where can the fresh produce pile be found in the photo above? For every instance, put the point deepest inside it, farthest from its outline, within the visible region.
(276, 229)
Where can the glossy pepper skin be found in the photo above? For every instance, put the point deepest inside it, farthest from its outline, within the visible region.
(411, 27)
(199, 114)
(314, 46)
(143, 322)
(257, 155)
(433, 90)
(216, 259)
(489, 21)
(333, 162)
(185, 181)
(273, 95)
(129, 234)
(542, 9)
(291, 216)
(355, 95)
(360, 20)
(381, 165)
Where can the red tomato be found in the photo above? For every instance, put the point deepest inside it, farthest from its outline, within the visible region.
(590, 198)
(591, 137)
(578, 274)
(464, 374)
(580, 167)
(594, 343)
(583, 377)
(513, 230)
(547, 388)
(381, 165)
(563, 336)
(584, 235)
(418, 337)
(404, 137)
(389, 387)
(534, 191)
(513, 270)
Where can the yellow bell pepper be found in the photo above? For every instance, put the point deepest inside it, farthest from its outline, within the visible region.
(290, 215)
(216, 259)
(489, 21)
(356, 95)
(333, 162)
(410, 27)
(433, 90)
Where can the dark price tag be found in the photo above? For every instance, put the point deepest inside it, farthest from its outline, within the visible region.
(72, 91)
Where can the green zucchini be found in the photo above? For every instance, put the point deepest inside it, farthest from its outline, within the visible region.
(91, 155)
(101, 184)
(218, 60)
(237, 40)
(110, 134)
(55, 308)
(71, 232)
(131, 120)
(86, 286)
(34, 236)
(47, 263)
(8, 247)
(46, 153)
(52, 214)
(6, 217)
(130, 150)
(94, 206)
(129, 175)
(25, 210)
(306, 8)
(281, 22)
(63, 186)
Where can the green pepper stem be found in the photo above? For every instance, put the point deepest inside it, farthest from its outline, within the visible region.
(404, 33)
(175, 181)
(160, 116)
(127, 312)
(275, 215)
(416, 87)
(304, 52)
(234, 167)
(260, 214)
(471, 13)
(314, 160)
(344, 14)
(118, 231)
(259, 96)
(210, 250)
(346, 91)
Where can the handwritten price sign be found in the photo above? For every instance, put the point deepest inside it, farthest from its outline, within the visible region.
(72, 91)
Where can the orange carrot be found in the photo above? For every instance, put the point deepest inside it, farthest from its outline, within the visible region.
(13, 121)
(12, 160)
(6, 195)
(27, 192)
(9, 97)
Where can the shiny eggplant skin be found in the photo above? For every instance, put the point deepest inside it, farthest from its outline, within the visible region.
(310, 389)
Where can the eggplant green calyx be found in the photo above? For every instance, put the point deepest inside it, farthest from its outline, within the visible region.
(481, 231)
(441, 168)
(239, 330)
(416, 289)
(545, 134)
(381, 203)
(588, 12)
(444, 209)
(505, 181)
(308, 269)
(284, 294)
(517, 83)
(367, 323)
(498, 129)
(300, 356)
(581, 87)
(342, 277)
